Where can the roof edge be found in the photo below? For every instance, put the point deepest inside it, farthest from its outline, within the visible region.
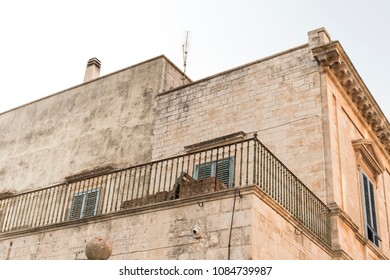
(235, 69)
(94, 80)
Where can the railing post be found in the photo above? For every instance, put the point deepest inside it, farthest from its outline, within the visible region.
(254, 161)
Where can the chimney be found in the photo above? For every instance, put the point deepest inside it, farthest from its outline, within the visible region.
(93, 69)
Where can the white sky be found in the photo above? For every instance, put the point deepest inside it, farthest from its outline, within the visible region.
(45, 45)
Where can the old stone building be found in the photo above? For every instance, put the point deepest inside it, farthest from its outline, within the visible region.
(286, 157)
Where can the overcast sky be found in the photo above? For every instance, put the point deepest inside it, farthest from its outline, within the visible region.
(45, 45)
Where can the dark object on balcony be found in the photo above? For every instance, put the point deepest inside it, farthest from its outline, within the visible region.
(175, 192)
(153, 198)
(206, 185)
(185, 186)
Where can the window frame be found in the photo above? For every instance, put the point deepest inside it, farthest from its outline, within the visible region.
(213, 168)
(1, 219)
(84, 195)
(370, 208)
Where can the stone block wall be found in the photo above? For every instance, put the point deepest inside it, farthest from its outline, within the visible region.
(278, 97)
(346, 125)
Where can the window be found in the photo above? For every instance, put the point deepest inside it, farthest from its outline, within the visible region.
(222, 169)
(84, 204)
(368, 159)
(370, 210)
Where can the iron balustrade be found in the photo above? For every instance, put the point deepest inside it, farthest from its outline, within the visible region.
(243, 163)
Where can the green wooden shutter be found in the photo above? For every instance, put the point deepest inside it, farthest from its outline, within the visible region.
(203, 170)
(77, 206)
(84, 205)
(91, 203)
(223, 170)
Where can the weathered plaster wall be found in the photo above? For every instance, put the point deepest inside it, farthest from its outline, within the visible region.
(106, 121)
(258, 232)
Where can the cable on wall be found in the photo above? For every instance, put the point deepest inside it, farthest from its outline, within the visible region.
(231, 222)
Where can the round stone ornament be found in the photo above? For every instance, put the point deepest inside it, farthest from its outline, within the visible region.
(98, 248)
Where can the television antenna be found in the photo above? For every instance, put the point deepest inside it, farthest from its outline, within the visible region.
(185, 47)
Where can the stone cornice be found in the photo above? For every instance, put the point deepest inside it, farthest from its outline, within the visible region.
(332, 55)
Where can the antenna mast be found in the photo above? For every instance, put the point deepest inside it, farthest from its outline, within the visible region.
(185, 47)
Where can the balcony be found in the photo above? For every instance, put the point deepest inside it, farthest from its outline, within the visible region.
(244, 163)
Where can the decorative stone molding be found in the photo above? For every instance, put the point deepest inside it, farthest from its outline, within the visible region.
(7, 194)
(216, 141)
(365, 151)
(89, 173)
(333, 56)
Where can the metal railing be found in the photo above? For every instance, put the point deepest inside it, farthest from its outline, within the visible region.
(275, 179)
(243, 163)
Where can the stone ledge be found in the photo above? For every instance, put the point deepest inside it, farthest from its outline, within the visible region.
(341, 255)
(90, 173)
(374, 249)
(216, 141)
(7, 194)
(335, 210)
(338, 212)
(202, 198)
